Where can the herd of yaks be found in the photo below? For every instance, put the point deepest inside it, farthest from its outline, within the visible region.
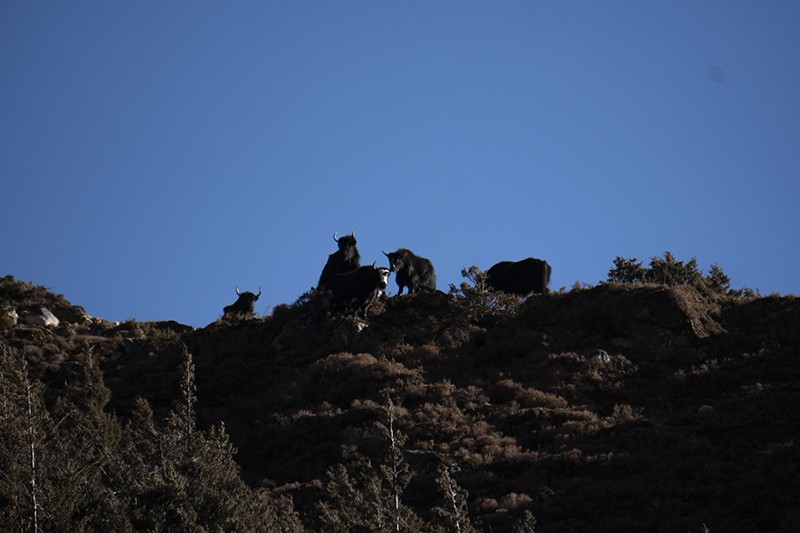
(346, 286)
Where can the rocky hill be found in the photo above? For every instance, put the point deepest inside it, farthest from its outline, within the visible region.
(612, 408)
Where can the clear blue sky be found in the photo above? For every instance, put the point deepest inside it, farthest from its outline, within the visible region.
(155, 155)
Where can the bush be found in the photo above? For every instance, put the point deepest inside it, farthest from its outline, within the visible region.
(669, 271)
(627, 271)
(479, 302)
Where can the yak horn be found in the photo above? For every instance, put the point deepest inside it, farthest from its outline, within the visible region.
(259, 292)
(334, 237)
(237, 291)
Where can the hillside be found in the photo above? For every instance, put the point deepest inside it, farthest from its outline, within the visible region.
(612, 408)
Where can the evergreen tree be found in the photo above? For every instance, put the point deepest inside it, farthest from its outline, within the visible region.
(670, 271)
(453, 515)
(183, 479)
(717, 280)
(80, 457)
(22, 428)
(479, 302)
(627, 271)
(360, 497)
(351, 499)
(395, 471)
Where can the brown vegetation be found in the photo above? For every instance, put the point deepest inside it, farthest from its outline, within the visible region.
(622, 407)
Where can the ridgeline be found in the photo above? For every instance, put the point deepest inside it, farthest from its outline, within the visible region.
(620, 407)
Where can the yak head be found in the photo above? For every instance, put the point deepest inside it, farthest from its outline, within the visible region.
(248, 296)
(383, 276)
(398, 259)
(345, 242)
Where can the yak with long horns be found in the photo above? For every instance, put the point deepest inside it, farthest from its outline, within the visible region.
(345, 259)
(244, 306)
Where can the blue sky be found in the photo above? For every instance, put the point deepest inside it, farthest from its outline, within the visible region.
(155, 155)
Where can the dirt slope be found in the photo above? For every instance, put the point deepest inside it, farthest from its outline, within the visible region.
(616, 408)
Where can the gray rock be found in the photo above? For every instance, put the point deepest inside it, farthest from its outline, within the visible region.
(44, 318)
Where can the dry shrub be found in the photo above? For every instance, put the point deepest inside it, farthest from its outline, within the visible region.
(363, 365)
(485, 505)
(472, 398)
(483, 445)
(397, 350)
(442, 389)
(441, 418)
(527, 397)
(568, 359)
(412, 388)
(497, 448)
(455, 336)
(365, 405)
(506, 390)
(425, 354)
(343, 377)
(625, 413)
(535, 398)
(574, 428)
(34, 353)
(513, 501)
(610, 372)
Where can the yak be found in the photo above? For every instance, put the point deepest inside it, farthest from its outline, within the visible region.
(412, 271)
(345, 259)
(356, 291)
(244, 305)
(525, 277)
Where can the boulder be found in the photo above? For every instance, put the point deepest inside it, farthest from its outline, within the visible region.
(43, 318)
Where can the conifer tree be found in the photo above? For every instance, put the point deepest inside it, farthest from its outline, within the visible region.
(22, 422)
(479, 302)
(395, 469)
(184, 479)
(361, 496)
(453, 515)
(351, 499)
(81, 457)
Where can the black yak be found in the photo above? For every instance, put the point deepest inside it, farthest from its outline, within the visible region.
(356, 291)
(525, 277)
(243, 306)
(412, 271)
(345, 259)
